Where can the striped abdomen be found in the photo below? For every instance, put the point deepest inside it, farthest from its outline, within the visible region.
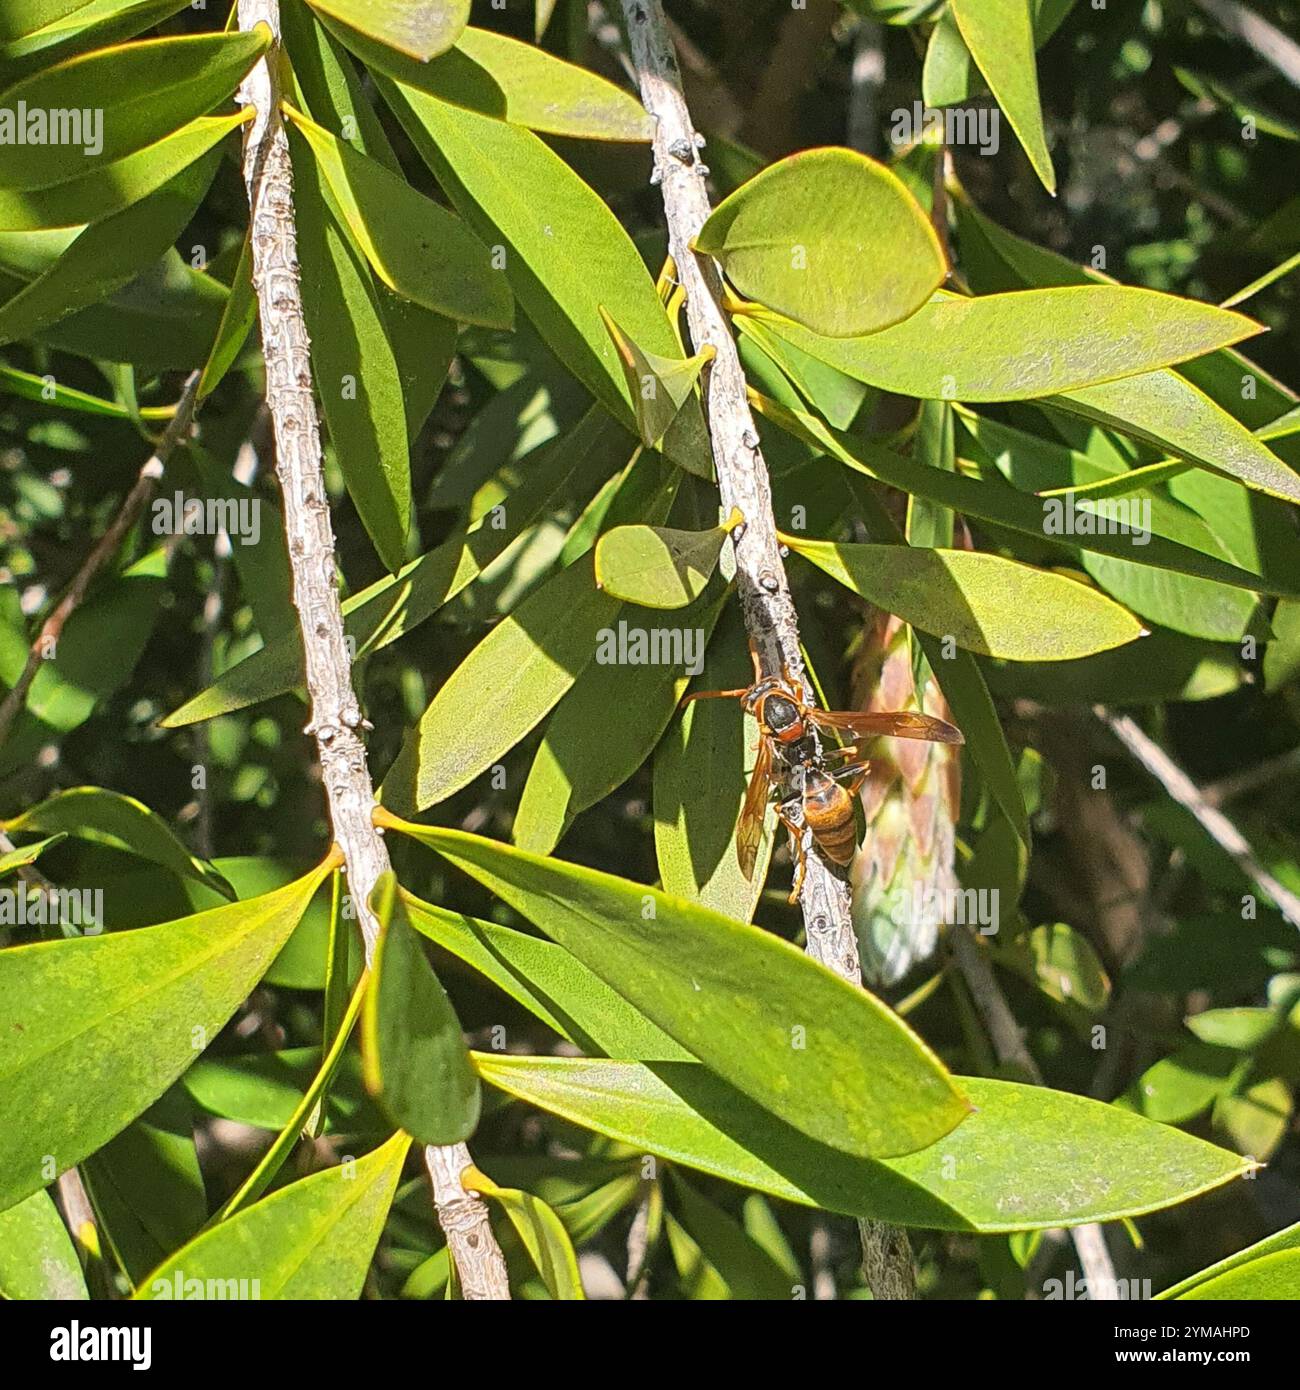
(828, 812)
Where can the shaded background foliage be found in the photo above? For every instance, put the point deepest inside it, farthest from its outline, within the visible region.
(1154, 173)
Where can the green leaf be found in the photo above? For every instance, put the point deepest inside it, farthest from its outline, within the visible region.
(417, 248)
(44, 388)
(506, 686)
(827, 1057)
(37, 1257)
(629, 702)
(107, 255)
(16, 859)
(1026, 343)
(547, 981)
(237, 320)
(1179, 1087)
(1275, 1276)
(1168, 544)
(1027, 1158)
(109, 189)
(495, 75)
(148, 1001)
(21, 17)
(566, 256)
(416, 1065)
(544, 1237)
(1165, 410)
(668, 411)
(420, 28)
(392, 607)
(830, 239)
(1288, 1239)
(1062, 963)
(1000, 38)
(144, 91)
(355, 370)
(311, 1240)
(147, 1187)
(700, 777)
(121, 822)
(984, 603)
(658, 566)
(744, 1267)
(96, 24)
(166, 317)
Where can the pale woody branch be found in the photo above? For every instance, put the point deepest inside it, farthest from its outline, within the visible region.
(336, 719)
(769, 612)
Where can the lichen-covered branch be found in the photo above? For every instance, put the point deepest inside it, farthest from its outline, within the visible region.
(336, 718)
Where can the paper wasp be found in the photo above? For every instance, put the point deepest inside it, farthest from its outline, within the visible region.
(816, 787)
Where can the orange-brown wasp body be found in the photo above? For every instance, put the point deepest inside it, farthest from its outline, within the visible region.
(816, 788)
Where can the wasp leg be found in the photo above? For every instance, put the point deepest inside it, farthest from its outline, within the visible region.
(852, 775)
(797, 850)
(716, 695)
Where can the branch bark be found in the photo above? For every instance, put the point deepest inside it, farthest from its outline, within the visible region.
(47, 640)
(336, 718)
(1009, 1044)
(768, 608)
(1184, 791)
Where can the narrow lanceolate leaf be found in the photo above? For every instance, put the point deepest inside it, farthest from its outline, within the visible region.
(105, 189)
(827, 1058)
(89, 26)
(514, 678)
(419, 28)
(237, 319)
(314, 1239)
(1030, 513)
(120, 822)
(393, 606)
(658, 566)
(417, 248)
(416, 1064)
(1285, 1240)
(1010, 347)
(1028, 1158)
(543, 1235)
(144, 91)
(108, 255)
(355, 370)
(700, 777)
(1273, 1277)
(668, 412)
(630, 702)
(37, 1257)
(21, 17)
(830, 239)
(498, 76)
(984, 603)
(566, 256)
(16, 859)
(1000, 37)
(147, 1003)
(1171, 413)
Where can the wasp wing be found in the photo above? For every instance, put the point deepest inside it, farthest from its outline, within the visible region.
(749, 829)
(887, 724)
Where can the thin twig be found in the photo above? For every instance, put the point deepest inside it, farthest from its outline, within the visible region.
(1268, 42)
(336, 718)
(47, 640)
(1009, 1043)
(1215, 824)
(766, 603)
